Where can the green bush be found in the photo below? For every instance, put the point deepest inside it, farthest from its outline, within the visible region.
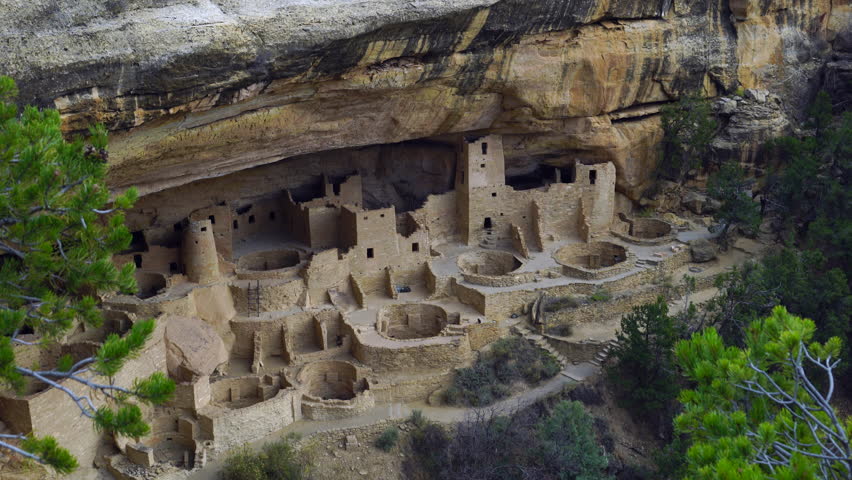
(429, 444)
(276, 461)
(387, 439)
(417, 419)
(601, 295)
(508, 361)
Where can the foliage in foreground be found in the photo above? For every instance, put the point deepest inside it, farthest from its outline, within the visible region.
(58, 233)
(764, 411)
(509, 360)
(276, 461)
(643, 371)
(559, 444)
(801, 281)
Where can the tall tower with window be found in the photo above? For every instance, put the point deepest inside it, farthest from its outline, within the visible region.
(480, 167)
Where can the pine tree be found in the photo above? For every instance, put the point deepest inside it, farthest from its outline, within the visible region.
(644, 372)
(764, 411)
(688, 128)
(58, 232)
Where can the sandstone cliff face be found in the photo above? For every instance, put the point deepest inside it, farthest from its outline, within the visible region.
(199, 88)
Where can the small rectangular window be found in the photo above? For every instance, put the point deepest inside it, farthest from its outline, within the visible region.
(137, 259)
(203, 229)
(382, 215)
(251, 218)
(173, 268)
(593, 175)
(493, 194)
(484, 148)
(481, 165)
(369, 253)
(236, 225)
(415, 247)
(212, 219)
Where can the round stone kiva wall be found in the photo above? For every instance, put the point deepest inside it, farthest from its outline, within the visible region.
(492, 263)
(411, 320)
(592, 256)
(330, 380)
(650, 228)
(269, 260)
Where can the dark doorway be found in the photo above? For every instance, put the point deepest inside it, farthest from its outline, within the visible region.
(487, 223)
(593, 176)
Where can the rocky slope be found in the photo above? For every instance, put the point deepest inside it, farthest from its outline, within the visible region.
(200, 88)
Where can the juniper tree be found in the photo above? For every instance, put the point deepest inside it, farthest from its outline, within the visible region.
(730, 187)
(764, 411)
(688, 129)
(58, 232)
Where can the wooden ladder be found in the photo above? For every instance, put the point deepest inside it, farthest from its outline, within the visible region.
(253, 295)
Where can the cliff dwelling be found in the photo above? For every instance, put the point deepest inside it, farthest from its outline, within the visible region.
(317, 301)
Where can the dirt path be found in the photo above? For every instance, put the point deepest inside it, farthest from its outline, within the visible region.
(570, 375)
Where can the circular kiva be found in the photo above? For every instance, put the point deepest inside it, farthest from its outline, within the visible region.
(492, 263)
(269, 260)
(591, 256)
(411, 320)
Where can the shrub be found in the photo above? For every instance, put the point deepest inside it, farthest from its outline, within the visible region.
(562, 303)
(601, 295)
(276, 461)
(568, 447)
(387, 439)
(429, 444)
(417, 419)
(508, 361)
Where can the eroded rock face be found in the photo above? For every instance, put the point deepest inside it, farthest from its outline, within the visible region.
(193, 348)
(194, 89)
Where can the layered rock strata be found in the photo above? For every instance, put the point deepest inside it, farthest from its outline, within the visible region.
(196, 89)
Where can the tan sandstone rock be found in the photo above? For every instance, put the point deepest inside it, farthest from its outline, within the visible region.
(193, 348)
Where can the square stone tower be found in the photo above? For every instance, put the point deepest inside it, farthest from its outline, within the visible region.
(480, 166)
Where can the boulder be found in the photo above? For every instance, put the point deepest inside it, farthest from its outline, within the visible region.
(193, 348)
(702, 250)
(698, 203)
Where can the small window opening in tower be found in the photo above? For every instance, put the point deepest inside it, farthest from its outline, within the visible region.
(484, 148)
(593, 176)
(203, 229)
(493, 194)
(487, 222)
(369, 253)
(481, 165)
(212, 219)
(415, 247)
(236, 225)
(251, 218)
(137, 259)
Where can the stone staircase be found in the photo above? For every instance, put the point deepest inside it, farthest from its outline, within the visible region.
(489, 242)
(542, 342)
(604, 353)
(453, 330)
